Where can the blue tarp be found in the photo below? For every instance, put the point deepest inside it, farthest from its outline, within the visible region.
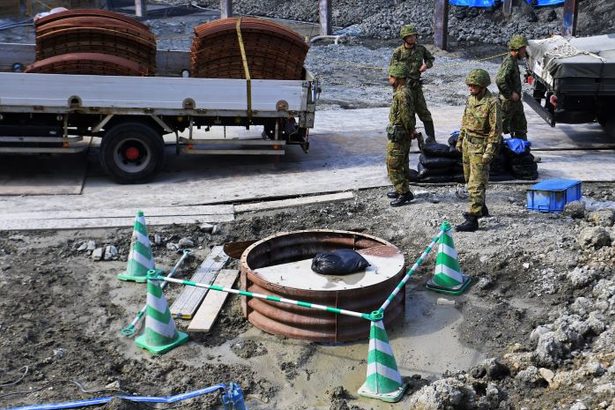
(473, 3)
(541, 3)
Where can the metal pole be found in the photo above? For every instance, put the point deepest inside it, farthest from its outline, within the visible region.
(507, 6)
(141, 8)
(226, 9)
(324, 14)
(440, 37)
(569, 22)
(445, 226)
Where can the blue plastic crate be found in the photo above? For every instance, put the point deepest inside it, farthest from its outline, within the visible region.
(473, 3)
(552, 195)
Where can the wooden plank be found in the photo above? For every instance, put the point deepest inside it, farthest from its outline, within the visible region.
(288, 203)
(189, 300)
(207, 314)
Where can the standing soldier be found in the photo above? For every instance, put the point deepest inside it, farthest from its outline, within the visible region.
(400, 131)
(509, 84)
(480, 135)
(417, 59)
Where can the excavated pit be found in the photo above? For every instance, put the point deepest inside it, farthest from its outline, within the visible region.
(280, 265)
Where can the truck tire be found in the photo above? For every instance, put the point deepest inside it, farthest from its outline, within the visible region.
(131, 152)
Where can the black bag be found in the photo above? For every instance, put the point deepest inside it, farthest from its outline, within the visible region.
(440, 150)
(443, 178)
(339, 262)
(430, 172)
(437, 162)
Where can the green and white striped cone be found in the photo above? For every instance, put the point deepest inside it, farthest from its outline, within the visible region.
(140, 258)
(448, 277)
(160, 334)
(383, 379)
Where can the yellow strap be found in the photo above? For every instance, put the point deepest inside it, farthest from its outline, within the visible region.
(246, 70)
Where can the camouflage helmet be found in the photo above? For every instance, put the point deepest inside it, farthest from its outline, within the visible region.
(478, 77)
(398, 71)
(407, 30)
(517, 41)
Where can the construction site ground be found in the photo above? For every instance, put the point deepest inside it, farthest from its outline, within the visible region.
(61, 311)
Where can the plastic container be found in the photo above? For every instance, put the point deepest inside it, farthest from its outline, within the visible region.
(552, 195)
(473, 3)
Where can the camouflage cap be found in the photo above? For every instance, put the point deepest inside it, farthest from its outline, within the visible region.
(517, 41)
(398, 71)
(478, 77)
(407, 30)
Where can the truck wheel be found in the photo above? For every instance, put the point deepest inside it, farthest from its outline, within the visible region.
(131, 152)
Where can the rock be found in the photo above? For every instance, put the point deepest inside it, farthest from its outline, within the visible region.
(531, 376)
(580, 277)
(91, 246)
(537, 332)
(581, 306)
(594, 369)
(157, 239)
(597, 322)
(443, 394)
(186, 243)
(602, 217)
(97, 254)
(484, 283)
(110, 253)
(594, 237)
(172, 246)
(550, 350)
(575, 209)
(546, 374)
(82, 247)
(578, 405)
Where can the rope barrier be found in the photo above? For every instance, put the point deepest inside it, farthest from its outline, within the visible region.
(263, 296)
(445, 227)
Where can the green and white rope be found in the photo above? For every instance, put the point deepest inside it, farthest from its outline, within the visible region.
(271, 298)
(445, 227)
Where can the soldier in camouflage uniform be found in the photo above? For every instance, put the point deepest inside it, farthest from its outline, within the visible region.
(400, 131)
(509, 83)
(417, 59)
(479, 139)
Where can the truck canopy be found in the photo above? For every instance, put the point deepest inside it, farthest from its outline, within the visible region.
(587, 57)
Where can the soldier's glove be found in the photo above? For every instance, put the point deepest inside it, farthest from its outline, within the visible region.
(487, 158)
(488, 154)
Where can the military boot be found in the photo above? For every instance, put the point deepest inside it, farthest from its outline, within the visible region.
(403, 199)
(431, 133)
(485, 212)
(470, 224)
(392, 194)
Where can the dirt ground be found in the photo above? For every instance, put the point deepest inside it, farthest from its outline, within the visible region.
(61, 312)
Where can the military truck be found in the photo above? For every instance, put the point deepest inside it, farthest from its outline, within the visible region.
(573, 80)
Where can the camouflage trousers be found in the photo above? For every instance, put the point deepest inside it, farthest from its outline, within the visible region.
(420, 106)
(398, 167)
(476, 174)
(513, 118)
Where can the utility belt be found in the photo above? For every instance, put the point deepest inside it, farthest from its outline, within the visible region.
(476, 140)
(396, 133)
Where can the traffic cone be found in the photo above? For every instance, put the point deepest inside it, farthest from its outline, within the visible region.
(383, 379)
(447, 277)
(160, 334)
(140, 258)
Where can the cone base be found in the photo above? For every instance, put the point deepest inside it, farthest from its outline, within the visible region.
(136, 278)
(142, 343)
(392, 397)
(455, 290)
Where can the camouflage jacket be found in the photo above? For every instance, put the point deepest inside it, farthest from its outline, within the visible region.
(508, 78)
(482, 120)
(402, 109)
(413, 58)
